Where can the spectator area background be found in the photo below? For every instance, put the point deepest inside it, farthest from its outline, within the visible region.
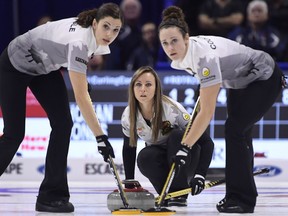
(18, 16)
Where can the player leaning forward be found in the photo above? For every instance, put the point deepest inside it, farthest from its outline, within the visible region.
(33, 60)
(253, 81)
(160, 122)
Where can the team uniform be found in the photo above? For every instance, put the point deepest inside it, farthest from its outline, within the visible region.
(34, 52)
(173, 116)
(155, 159)
(253, 81)
(34, 60)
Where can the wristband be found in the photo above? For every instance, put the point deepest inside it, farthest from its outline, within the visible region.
(184, 144)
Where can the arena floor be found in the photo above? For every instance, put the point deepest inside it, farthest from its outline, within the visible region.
(18, 198)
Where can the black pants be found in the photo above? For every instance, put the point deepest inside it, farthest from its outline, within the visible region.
(245, 107)
(154, 162)
(51, 92)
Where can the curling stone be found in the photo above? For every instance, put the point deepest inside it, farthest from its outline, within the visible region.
(137, 197)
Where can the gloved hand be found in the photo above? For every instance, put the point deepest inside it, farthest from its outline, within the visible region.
(104, 147)
(197, 184)
(180, 158)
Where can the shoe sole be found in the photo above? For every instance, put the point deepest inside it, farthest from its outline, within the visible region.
(236, 209)
(62, 209)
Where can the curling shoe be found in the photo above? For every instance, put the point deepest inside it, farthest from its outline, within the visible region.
(60, 206)
(177, 201)
(232, 206)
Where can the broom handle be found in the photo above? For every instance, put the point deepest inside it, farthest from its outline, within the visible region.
(166, 186)
(118, 182)
(171, 174)
(193, 116)
(207, 185)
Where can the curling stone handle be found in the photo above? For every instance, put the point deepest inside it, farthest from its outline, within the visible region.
(132, 182)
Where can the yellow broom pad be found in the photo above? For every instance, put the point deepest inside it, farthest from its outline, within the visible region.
(127, 212)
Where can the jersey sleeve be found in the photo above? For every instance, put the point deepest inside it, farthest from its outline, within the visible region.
(183, 116)
(125, 122)
(209, 72)
(129, 158)
(77, 57)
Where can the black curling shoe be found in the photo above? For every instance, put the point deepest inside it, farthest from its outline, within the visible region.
(177, 201)
(232, 206)
(60, 206)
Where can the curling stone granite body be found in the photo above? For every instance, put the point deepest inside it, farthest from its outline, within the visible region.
(136, 199)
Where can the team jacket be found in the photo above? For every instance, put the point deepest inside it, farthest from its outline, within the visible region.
(213, 60)
(173, 116)
(53, 45)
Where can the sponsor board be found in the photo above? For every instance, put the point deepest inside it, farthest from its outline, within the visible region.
(96, 170)
(278, 169)
(33, 169)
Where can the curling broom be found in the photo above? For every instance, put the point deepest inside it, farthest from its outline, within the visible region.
(158, 210)
(126, 210)
(207, 185)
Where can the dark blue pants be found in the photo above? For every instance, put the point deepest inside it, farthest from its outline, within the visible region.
(154, 162)
(50, 90)
(245, 107)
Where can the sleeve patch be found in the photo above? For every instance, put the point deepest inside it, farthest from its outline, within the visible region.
(81, 60)
(186, 116)
(205, 72)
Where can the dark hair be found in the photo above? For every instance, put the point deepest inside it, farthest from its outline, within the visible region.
(174, 16)
(86, 18)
